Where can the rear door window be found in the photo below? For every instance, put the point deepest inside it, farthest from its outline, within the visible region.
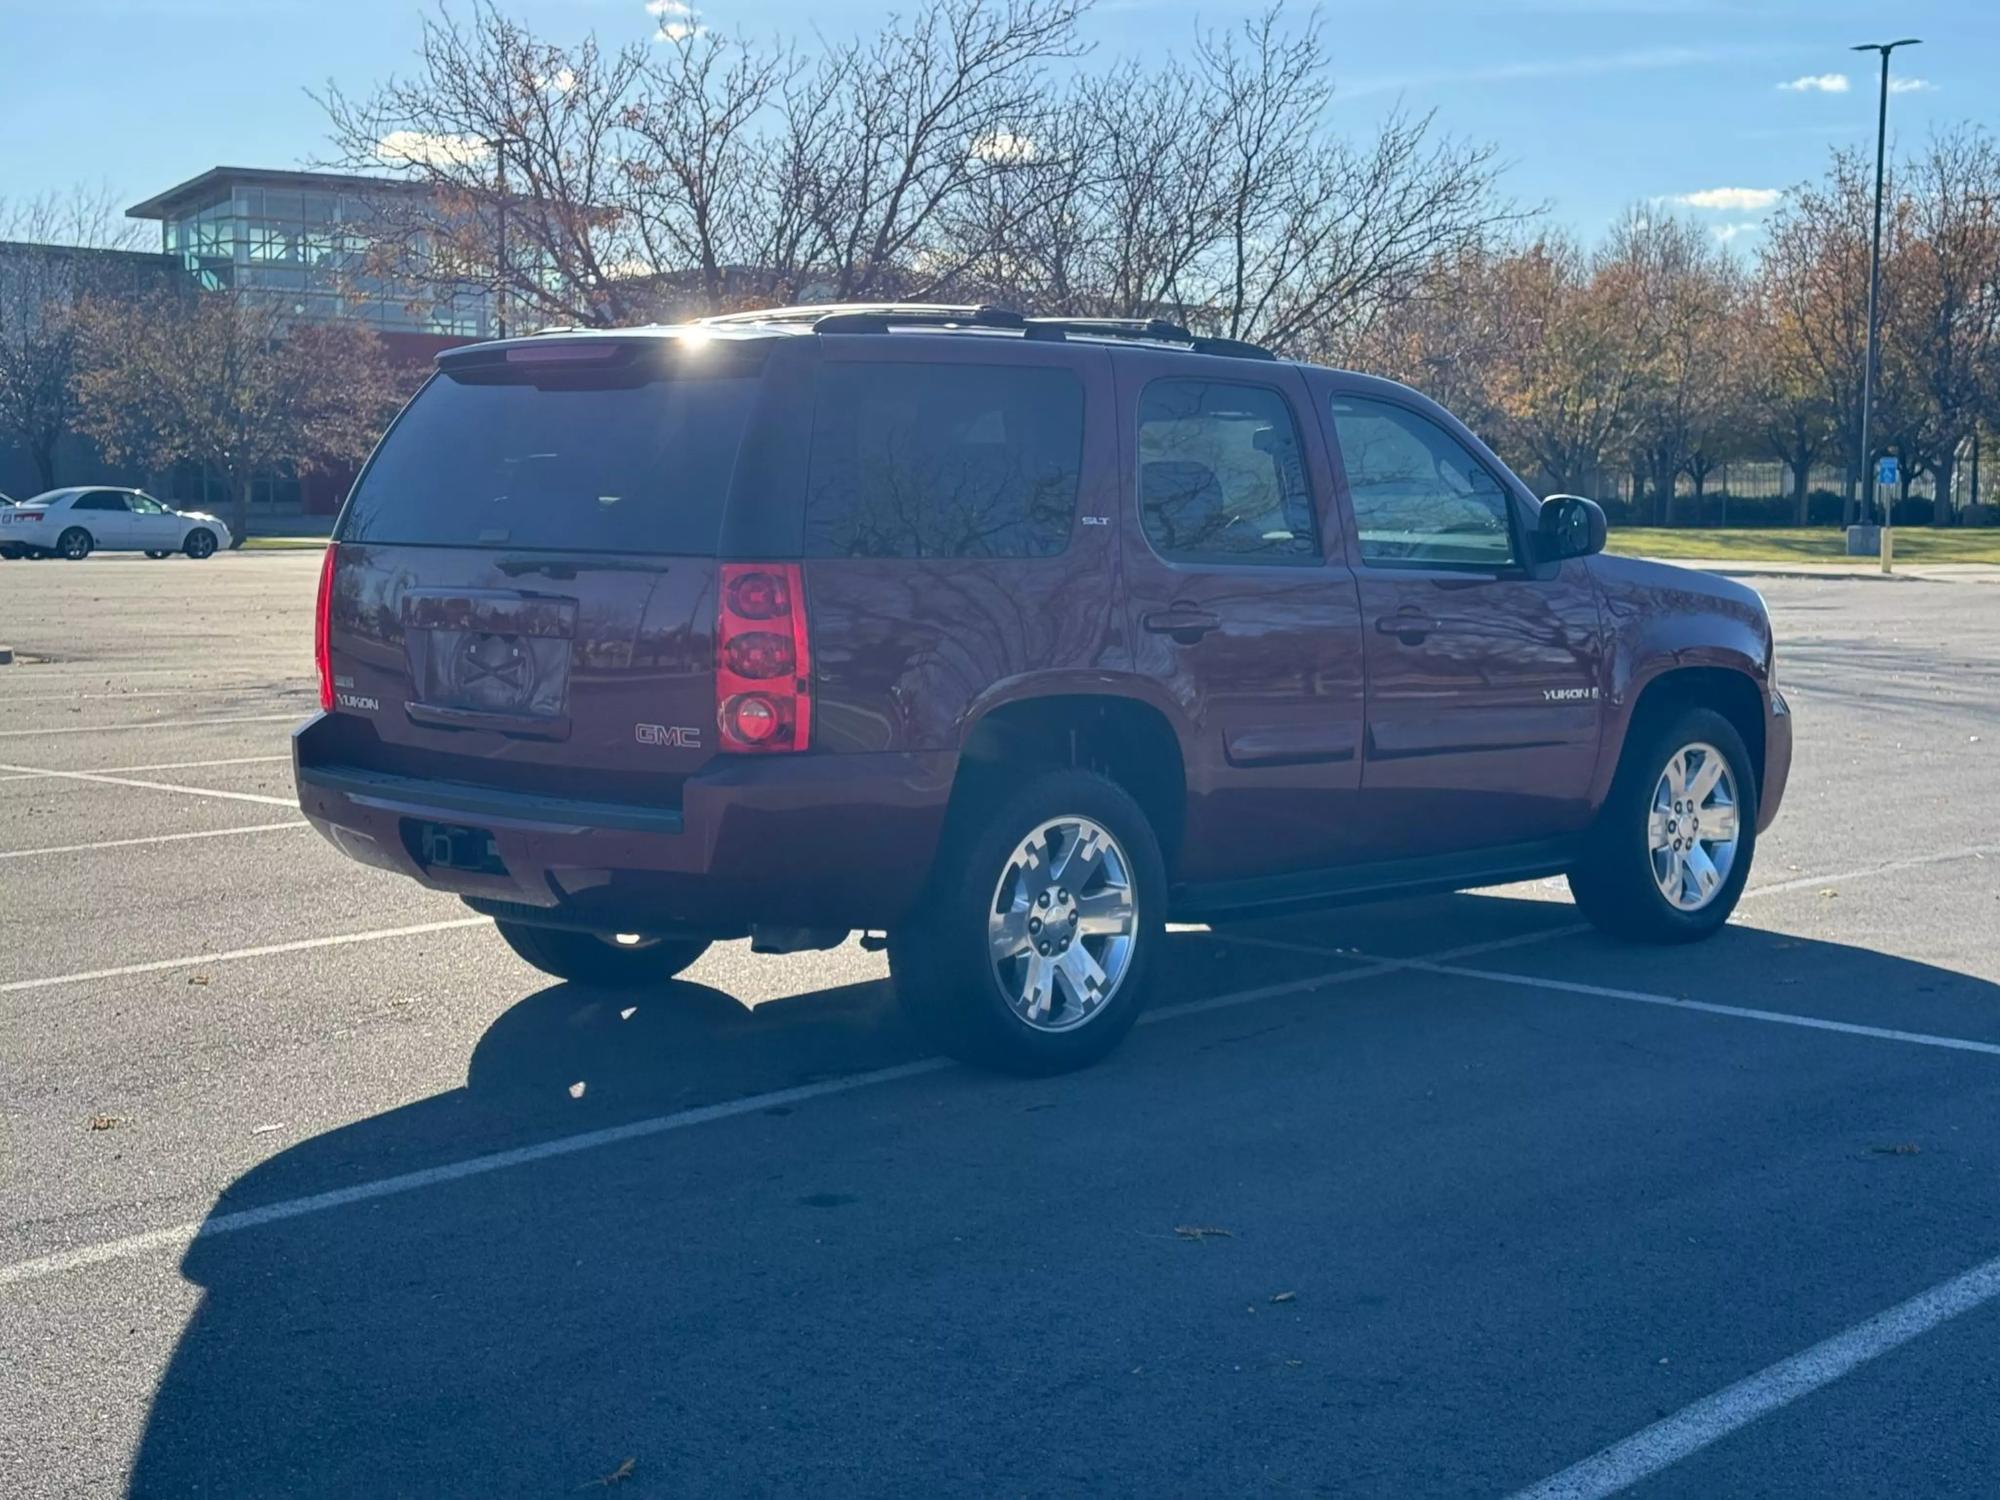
(943, 460)
(568, 465)
(1221, 475)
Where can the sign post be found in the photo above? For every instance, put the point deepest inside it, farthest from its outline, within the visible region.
(1885, 479)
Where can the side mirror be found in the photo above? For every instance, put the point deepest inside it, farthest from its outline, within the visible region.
(1570, 526)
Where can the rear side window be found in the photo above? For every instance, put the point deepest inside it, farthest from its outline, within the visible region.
(1220, 475)
(943, 460)
(567, 465)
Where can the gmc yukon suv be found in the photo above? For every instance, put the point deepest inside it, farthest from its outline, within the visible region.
(1009, 639)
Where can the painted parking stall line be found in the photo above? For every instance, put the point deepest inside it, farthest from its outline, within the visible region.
(156, 838)
(1703, 1007)
(167, 765)
(301, 945)
(1694, 1427)
(104, 779)
(18, 734)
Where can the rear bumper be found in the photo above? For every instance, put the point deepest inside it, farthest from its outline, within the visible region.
(808, 840)
(1777, 758)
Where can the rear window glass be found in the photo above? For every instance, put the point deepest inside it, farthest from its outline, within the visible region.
(943, 460)
(636, 467)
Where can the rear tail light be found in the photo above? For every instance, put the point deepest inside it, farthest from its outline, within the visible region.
(763, 659)
(27, 515)
(323, 626)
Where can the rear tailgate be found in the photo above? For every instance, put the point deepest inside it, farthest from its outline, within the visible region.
(524, 578)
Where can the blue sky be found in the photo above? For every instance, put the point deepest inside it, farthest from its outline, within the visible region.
(1594, 103)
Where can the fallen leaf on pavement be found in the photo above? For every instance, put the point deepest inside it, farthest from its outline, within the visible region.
(1286, 1297)
(1202, 1232)
(1903, 1148)
(617, 1476)
(197, 979)
(105, 1122)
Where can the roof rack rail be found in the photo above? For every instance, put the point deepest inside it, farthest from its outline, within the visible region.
(878, 317)
(1147, 330)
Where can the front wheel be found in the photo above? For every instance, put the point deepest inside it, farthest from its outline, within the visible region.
(200, 543)
(1671, 851)
(1035, 949)
(601, 959)
(74, 544)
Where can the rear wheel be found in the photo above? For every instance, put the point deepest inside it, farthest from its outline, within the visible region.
(200, 543)
(1671, 851)
(74, 544)
(601, 958)
(1036, 947)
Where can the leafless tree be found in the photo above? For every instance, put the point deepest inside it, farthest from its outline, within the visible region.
(227, 380)
(50, 262)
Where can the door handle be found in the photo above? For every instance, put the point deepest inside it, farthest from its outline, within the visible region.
(1183, 623)
(1409, 629)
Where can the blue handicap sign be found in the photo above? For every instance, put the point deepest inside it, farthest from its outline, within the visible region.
(1885, 471)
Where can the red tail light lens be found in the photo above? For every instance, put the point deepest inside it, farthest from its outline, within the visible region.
(323, 627)
(763, 659)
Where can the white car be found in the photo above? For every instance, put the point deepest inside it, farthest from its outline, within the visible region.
(83, 519)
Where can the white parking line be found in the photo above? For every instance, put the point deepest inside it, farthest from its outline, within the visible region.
(1694, 1427)
(157, 838)
(165, 765)
(293, 690)
(1706, 1007)
(339, 940)
(178, 1235)
(153, 786)
(16, 734)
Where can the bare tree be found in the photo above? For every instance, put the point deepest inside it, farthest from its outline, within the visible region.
(224, 379)
(520, 148)
(51, 263)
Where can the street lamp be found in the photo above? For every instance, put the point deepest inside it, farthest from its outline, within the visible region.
(1875, 275)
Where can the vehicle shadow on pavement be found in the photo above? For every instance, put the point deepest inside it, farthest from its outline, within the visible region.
(701, 1302)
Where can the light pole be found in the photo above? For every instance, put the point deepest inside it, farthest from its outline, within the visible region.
(1875, 281)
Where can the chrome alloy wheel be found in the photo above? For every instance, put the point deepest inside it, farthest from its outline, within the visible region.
(1693, 827)
(1063, 925)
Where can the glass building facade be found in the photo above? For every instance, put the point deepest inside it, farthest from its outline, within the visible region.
(301, 238)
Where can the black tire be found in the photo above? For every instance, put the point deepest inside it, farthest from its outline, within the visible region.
(74, 544)
(939, 957)
(589, 958)
(1614, 883)
(200, 543)
(13, 554)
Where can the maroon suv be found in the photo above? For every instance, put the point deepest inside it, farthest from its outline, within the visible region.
(1011, 638)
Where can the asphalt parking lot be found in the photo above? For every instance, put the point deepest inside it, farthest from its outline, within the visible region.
(307, 1185)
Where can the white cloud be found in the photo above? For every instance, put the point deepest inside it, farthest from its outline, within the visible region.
(1733, 199)
(1911, 86)
(417, 148)
(677, 19)
(1728, 232)
(1817, 83)
(559, 82)
(1004, 146)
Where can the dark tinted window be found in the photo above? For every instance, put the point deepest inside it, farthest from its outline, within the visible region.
(1420, 497)
(99, 500)
(933, 460)
(1220, 474)
(626, 467)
